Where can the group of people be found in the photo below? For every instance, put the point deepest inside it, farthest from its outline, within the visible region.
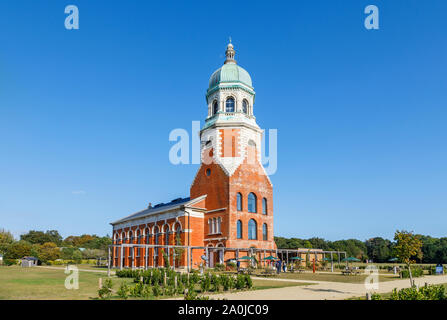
(280, 265)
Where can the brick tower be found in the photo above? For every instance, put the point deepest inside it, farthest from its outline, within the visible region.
(239, 193)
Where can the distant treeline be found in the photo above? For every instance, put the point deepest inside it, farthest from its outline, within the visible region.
(434, 250)
(49, 246)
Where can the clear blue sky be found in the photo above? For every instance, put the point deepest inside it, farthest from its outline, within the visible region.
(361, 115)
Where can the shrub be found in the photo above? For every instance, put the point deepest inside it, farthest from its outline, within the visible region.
(248, 282)
(123, 291)
(9, 262)
(191, 294)
(428, 292)
(376, 296)
(137, 290)
(225, 281)
(215, 281)
(240, 282)
(106, 291)
(219, 267)
(231, 266)
(156, 290)
(205, 283)
(194, 278)
(415, 272)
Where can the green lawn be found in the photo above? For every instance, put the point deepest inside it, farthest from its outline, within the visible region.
(49, 284)
(43, 284)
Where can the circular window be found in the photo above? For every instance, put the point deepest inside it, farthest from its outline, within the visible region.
(208, 172)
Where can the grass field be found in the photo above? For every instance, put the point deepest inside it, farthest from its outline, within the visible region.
(49, 284)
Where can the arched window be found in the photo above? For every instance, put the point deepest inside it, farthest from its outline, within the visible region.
(239, 229)
(215, 107)
(139, 242)
(245, 106)
(229, 105)
(252, 203)
(264, 232)
(131, 236)
(123, 237)
(157, 239)
(239, 201)
(146, 232)
(264, 206)
(252, 230)
(167, 235)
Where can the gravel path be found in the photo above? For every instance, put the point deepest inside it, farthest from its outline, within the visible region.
(322, 290)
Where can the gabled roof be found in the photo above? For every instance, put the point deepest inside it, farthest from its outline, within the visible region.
(161, 207)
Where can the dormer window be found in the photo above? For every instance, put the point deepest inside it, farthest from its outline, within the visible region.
(229, 105)
(245, 106)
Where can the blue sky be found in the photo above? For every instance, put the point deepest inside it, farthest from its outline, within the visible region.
(361, 115)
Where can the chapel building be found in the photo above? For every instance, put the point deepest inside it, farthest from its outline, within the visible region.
(231, 197)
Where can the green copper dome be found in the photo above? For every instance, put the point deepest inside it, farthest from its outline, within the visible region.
(230, 72)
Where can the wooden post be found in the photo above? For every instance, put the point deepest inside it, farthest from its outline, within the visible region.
(100, 283)
(207, 258)
(108, 259)
(332, 263)
(190, 259)
(121, 258)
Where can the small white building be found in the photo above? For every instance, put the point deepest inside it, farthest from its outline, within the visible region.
(28, 262)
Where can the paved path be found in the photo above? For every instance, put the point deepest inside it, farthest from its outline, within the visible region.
(87, 270)
(324, 290)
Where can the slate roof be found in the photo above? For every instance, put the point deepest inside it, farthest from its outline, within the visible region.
(160, 207)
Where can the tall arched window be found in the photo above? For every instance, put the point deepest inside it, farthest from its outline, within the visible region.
(156, 240)
(139, 242)
(219, 220)
(167, 235)
(264, 206)
(252, 230)
(252, 202)
(146, 232)
(215, 107)
(130, 235)
(264, 232)
(245, 106)
(229, 105)
(239, 229)
(239, 201)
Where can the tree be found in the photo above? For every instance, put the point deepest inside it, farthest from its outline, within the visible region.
(18, 250)
(41, 237)
(49, 251)
(378, 249)
(408, 246)
(6, 239)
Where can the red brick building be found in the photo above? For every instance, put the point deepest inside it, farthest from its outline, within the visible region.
(231, 196)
